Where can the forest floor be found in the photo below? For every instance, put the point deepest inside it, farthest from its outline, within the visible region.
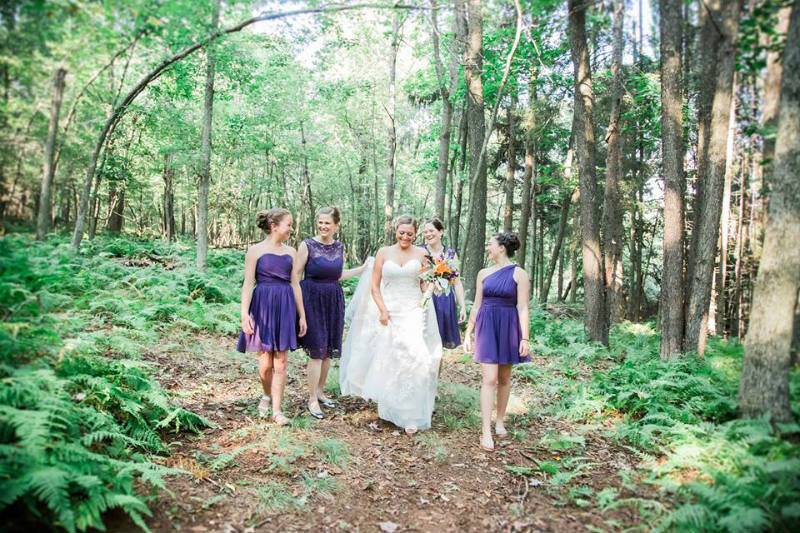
(354, 472)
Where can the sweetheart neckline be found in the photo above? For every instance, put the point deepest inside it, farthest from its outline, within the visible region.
(404, 264)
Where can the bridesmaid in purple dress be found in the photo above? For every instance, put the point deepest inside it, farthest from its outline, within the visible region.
(272, 308)
(447, 316)
(320, 261)
(500, 320)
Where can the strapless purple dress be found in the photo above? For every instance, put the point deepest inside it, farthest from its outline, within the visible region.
(272, 307)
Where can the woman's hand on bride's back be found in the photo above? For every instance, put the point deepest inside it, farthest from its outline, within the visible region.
(384, 318)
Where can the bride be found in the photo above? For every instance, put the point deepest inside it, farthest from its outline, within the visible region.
(392, 352)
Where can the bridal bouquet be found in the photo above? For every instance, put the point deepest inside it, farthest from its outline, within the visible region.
(441, 274)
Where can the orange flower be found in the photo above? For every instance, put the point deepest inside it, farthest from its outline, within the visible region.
(441, 268)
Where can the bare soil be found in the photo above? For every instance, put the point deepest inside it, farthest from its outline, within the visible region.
(354, 472)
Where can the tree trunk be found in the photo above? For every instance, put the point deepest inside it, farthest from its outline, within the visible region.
(573, 257)
(613, 215)
(447, 108)
(672, 289)
(388, 205)
(169, 197)
(725, 17)
(305, 215)
(476, 130)
(562, 229)
(595, 322)
(529, 177)
(45, 198)
(764, 388)
(511, 167)
(205, 168)
(772, 91)
(709, 39)
(455, 221)
(724, 231)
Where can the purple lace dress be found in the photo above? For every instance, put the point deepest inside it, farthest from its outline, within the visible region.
(272, 307)
(446, 309)
(323, 299)
(497, 328)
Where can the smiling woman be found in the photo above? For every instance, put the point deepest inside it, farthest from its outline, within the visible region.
(393, 350)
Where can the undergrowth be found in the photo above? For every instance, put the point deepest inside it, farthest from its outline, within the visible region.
(723, 473)
(82, 421)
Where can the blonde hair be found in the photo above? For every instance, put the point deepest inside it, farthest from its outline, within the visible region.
(331, 211)
(405, 219)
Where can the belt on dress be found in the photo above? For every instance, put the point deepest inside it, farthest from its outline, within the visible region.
(495, 301)
(273, 282)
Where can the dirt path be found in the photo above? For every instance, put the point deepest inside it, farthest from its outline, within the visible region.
(353, 472)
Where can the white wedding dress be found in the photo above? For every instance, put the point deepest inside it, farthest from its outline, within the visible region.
(396, 365)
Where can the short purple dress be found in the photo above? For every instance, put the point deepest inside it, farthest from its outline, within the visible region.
(497, 328)
(446, 310)
(272, 307)
(323, 299)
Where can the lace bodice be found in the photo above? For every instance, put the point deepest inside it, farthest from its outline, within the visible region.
(325, 261)
(400, 285)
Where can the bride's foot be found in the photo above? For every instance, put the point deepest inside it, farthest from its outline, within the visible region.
(314, 410)
(487, 444)
(410, 430)
(500, 430)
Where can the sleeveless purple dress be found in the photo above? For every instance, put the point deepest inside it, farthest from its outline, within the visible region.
(497, 328)
(447, 311)
(323, 299)
(272, 307)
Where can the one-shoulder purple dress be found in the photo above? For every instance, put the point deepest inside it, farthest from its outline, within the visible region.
(323, 299)
(446, 311)
(497, 328)
(272, 307)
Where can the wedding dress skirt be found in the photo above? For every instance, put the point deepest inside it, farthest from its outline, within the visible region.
(396, 365)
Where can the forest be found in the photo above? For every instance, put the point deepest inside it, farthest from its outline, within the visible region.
(647, 154)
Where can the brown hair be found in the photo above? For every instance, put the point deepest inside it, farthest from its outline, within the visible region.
(332, 212)
(509, 241)
(405, 219)
(271, 217)
(436, 223)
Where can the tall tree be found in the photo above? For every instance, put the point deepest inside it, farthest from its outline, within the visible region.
(205, 164)
(445, 90)
(168, 200)
(764, 389)
(46, 194)
(723, 16)
(611, 211)
(476, 129)
(529, 175)
(596, 319)
(508, 210)
(772, 88)
(672, 289)
(391, 130)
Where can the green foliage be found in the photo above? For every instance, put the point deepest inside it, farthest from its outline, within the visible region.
(333, 451)
(726, 474)
(457, 406)
(81, 418)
